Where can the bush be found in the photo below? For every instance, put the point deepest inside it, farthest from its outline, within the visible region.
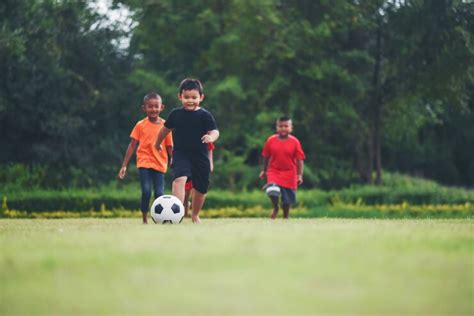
(340, 210)
(394, 195)
(128, 197)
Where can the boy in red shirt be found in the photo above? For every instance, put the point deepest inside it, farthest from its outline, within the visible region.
(282, 166)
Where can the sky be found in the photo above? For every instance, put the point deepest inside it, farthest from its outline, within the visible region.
(120, 16)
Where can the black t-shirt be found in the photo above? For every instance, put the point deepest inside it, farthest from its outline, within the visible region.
(189, 127)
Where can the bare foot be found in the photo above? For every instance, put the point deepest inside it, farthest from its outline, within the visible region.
(196, 219)
(274, 214)
(144, 217)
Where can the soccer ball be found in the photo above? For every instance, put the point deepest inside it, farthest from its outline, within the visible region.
(167, 209)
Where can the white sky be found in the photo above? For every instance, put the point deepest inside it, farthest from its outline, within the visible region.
(120, 16)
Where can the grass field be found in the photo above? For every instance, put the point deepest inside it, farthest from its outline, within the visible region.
(237, 266)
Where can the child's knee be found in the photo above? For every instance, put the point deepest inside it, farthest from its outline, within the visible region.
(180, 180)
(146, 191)
(199, 194)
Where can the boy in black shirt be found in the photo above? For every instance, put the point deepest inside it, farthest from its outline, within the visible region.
(193, 128)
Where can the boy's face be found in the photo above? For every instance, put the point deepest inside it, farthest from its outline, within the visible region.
(190, 99)
(284, 128)
(153, 108)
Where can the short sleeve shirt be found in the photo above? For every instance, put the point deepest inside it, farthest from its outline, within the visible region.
(188, 128)
(283, 155)
(146, 132)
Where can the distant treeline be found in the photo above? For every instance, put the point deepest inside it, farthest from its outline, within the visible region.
(371, 85)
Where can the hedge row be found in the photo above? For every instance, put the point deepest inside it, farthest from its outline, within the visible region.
(372, 195)
(403, 210)
(128, 198)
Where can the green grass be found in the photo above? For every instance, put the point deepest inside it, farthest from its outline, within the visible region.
(237, 266)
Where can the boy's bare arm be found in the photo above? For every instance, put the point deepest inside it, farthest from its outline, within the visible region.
(126, 159)
(161, 136)
(211, 159)
(169, 149)
(263, 173)
(210, 137)
(299, 171)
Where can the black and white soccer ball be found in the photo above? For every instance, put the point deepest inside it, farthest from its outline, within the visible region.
(167, 209)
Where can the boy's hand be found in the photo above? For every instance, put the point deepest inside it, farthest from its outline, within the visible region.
(263, 175)
(158, 147)
(300, 179)
(122, 173)
(206, 139)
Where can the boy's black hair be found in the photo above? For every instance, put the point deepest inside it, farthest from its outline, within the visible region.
(151, 95)
(284, 119)
(190, 84)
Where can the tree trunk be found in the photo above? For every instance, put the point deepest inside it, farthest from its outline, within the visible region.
(377, 104)
(378, 155)
(370, 156)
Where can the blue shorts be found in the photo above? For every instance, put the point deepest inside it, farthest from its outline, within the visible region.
(288, 196)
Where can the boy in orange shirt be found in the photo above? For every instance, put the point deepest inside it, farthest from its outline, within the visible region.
(151, 163)
(283, 159)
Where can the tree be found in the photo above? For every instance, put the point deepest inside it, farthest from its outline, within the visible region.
(60, 74)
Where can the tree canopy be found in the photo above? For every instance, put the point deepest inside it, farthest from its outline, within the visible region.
(371, 85)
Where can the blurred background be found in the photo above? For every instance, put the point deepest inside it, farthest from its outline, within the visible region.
(374, 87)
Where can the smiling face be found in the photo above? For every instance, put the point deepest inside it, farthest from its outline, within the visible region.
(284, 128)
(190, 99)
(152, 108)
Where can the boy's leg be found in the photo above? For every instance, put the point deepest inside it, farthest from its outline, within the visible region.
(178, 188)
(187, 195)
(181, 172)
(200, 170)
(286, 210)
(145, 184)
(274, 200)
(273, 192)
(158, 179)
(288, 198)
(196, 205)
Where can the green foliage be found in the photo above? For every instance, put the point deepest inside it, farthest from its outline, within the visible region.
(61, 88)
(338, 210)
(364, 81)
(399, 191)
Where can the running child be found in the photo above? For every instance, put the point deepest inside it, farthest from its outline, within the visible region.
(193, 128)
(283, 164)
(151, 163)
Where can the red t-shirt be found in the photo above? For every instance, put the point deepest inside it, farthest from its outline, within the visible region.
(283, 155)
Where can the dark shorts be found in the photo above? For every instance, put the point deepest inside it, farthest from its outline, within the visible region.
(196, 168)
(288, 196)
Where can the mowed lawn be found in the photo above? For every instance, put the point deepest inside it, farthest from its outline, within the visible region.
(236, 267)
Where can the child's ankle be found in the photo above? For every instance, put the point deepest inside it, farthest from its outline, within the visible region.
(196, 219)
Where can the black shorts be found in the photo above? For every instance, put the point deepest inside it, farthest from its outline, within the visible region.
(193, 167)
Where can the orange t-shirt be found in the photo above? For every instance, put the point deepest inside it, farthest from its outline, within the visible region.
(145, 132)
